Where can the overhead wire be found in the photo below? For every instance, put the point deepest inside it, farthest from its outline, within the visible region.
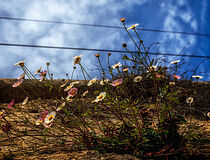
(104, 26)
(94, 49)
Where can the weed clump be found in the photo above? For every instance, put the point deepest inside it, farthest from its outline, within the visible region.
(130, 111)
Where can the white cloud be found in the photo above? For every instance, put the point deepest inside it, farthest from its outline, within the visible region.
(178, 16)
(79, 11)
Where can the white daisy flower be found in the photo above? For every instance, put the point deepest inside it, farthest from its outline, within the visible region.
(118, 65)
(20, 63)
(50, 117)
(102, 82)
(73, 83)
(208, 114)
(77, 59)
(61, 106)
(175, 62)
(86, 92)
(68, 88)
(133, 26)
(189, 100)
(137, 79)
(38, 122)
(101, 96)
(25, 101)
(63, 85)
(92, 81)
(197, 77)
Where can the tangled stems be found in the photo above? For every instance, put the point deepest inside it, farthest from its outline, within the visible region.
(82, 68)
(74, 68)
(139, 51)
(109, 66)
(104, 77)
(141, 42)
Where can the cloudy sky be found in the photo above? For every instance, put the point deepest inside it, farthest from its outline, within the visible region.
(179, 15)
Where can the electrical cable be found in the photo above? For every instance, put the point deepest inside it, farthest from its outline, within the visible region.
(93, 49)
(104, 26)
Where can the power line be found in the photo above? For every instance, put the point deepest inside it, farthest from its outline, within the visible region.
(103, 26)
(92, 49)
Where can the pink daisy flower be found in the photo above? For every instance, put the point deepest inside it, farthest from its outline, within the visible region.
(176, 76)
(158, 75)
(16, 84)
(43, 115)
(11, 104)
(22, 76)
(117, 82)
(72, 92)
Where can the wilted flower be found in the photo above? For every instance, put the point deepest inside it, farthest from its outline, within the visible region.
(133, 26)
(21, 63)
(72, 92)
(22, 76)
(48, 63)
(102, 82)
(61, 106)
(86, 92)
(92, 81)
(109, 54)
(175, 62)
(11, 104)
(117, 82)
(189, 100)
(6, 128)
(122, 19)
(43, 73)
(176, 76)
(124, 45)
(125, 70)
(97, 55)
(118, 65)
(38, 70)
(137, 79)
(171, 83)
(77, 59)
(2, 112)
(25, 101)
(197, 77)
(101, 96)
(16, 84)
(50, 117)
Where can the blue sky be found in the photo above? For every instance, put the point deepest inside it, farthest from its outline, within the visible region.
(179, 15)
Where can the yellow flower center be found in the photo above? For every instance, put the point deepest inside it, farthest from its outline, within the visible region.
(100, 97)
(116, 83)
(50, 117)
